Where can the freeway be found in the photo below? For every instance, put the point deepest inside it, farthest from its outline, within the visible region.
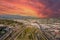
(6, 35)
(51, 37)
(43, 37)
(16, 34)
(40, 36)
(21, 31)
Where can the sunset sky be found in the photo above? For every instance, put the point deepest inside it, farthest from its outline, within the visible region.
(36, 8)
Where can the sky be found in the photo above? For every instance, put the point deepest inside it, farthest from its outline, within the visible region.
(36, 8)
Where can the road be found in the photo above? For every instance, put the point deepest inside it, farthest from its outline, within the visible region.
(43, 37)
(16, 34)
(6, 35)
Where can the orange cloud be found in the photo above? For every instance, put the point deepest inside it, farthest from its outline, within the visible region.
(22, 7)
(37, 8)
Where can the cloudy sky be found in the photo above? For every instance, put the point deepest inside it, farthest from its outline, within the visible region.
(37, 8)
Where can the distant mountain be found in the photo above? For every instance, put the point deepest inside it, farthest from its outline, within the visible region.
(15, 17)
